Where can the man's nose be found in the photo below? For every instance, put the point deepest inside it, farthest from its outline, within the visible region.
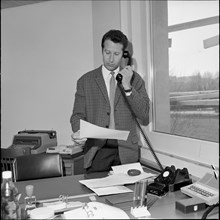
(111, 58)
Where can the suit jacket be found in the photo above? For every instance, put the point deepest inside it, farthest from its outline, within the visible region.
(92, 104)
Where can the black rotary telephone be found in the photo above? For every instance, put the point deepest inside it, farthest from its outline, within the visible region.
(170, 179)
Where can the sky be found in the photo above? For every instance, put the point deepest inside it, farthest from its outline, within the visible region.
(187, 54)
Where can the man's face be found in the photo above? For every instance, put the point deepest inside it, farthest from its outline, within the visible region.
(112, 54)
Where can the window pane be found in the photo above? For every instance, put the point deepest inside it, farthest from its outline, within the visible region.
(185, 11)
(193, 63)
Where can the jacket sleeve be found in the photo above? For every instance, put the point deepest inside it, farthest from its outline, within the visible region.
(139, 100)
(79, 106)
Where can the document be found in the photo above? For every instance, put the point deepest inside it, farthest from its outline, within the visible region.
(114, 183)
(88, 130)
(101, 191)
(115, 180)
(118, 176)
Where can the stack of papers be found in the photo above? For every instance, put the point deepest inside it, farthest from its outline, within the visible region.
(114, 183)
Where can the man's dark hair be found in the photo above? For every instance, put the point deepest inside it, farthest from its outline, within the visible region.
(117, 37)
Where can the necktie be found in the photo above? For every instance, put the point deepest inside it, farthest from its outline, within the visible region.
(111, 98)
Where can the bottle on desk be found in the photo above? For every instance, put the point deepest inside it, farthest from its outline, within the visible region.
(10, 208)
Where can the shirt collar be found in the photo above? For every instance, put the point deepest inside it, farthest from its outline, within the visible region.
(106, 73)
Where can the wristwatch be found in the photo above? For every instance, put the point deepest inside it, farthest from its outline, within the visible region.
(128, 92)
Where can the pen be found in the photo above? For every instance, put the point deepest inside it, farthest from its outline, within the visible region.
(215, 174)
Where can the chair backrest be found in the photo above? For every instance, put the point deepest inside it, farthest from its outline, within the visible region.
(38, 166)
(8, 156)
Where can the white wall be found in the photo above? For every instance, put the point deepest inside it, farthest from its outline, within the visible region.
(45, 47)
(106, 16)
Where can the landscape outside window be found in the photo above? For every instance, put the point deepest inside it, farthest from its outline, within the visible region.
(194, 70)
(193, 36)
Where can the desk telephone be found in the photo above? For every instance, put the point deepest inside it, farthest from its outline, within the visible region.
(170, 179)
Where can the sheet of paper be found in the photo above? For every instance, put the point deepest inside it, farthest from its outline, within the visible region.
(101, 191)
(125, 167)
(88, 130)
(114, 180)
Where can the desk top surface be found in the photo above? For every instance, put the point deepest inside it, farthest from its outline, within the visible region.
(52, 188)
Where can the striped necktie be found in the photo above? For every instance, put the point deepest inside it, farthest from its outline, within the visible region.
(111, 98)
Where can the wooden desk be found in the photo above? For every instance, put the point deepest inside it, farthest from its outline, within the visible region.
(51, 188)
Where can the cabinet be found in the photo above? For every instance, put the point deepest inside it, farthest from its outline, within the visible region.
(73, 164)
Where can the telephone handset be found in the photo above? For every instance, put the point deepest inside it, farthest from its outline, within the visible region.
(126, 55)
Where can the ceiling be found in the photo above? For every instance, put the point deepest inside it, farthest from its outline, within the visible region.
(15, 3)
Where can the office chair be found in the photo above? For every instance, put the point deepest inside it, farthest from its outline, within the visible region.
(8, 156)
(38, 166)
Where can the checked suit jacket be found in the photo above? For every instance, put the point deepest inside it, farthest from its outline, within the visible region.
(92, 105)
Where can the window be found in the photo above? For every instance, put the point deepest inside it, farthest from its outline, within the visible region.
(192, 68)
(184, 80)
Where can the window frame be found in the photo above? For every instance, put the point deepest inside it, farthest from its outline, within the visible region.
(196, 155)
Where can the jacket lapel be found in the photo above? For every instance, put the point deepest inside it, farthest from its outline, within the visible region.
(101, 84)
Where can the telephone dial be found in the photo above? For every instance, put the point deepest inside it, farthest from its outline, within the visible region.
(167, 176)
(170, 179)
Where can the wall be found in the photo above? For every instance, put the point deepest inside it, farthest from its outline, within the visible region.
(105, 17)
(45, 48)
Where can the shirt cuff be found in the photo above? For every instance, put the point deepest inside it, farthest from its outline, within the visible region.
(128, 93)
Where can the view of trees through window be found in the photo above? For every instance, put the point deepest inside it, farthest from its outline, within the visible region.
(193, 32)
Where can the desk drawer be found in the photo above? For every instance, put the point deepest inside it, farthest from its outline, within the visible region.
(73, 164)
(68, 172)
(68, 167)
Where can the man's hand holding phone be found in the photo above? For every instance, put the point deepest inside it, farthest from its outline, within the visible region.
(127, 74)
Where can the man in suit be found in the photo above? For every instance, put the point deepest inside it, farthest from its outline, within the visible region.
(93, 100)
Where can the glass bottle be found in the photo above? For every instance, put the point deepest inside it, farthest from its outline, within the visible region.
(10, 208)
